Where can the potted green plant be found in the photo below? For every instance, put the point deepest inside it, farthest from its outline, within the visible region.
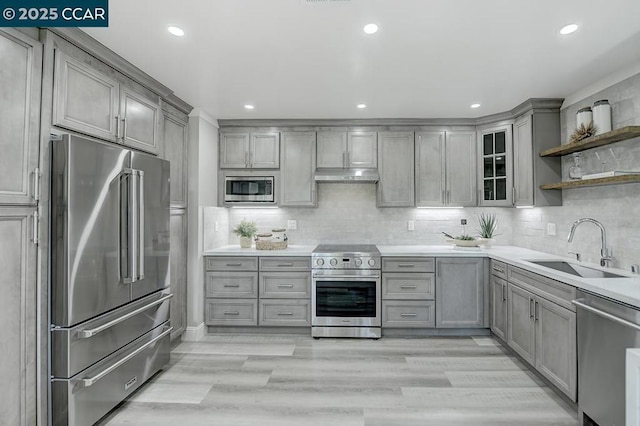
(488, 227)
(246, 229)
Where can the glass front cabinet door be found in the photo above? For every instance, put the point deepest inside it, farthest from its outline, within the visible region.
(495, 168)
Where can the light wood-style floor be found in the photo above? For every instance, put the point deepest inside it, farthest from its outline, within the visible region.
(296, 380)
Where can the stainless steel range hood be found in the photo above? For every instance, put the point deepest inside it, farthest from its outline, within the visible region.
(347, 175)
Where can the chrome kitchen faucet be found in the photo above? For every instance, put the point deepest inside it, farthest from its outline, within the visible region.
(605, 255)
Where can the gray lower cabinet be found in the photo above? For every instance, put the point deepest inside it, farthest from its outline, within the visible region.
(396, 167)
(285, 291)
(21, 75)
(175, 141)
(408, 292)
(178, 231)
(298, 164)
(460, 293)
(18, 307)
(544, 334)
(231, 291)
(499, 307)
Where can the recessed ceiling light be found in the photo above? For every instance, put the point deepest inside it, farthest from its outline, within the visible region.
(370, 28)
(568, 29)
(176, 31)
(362, 106)
(475, 105)
(248, 106)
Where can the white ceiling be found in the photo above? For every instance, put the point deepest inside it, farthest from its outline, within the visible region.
(430, 58)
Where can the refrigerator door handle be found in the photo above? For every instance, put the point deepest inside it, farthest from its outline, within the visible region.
(85, 334)
(90, 381)
(141, 213)
(132, 225)
(124, 257)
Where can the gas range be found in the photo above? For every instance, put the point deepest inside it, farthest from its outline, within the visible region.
(346, 257)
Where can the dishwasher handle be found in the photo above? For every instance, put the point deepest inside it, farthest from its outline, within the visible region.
(579, 303)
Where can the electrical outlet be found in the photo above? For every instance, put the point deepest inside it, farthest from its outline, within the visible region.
(216, 226)
(292, 224)
(551, 228)
(411, 225)
(463, 221)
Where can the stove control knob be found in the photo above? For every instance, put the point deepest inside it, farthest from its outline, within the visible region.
(333, 262)
(358, 261)
(320, 262)
(372, 262)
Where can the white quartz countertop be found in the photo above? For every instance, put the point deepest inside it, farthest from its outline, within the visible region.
(235, 250)
(625, 290)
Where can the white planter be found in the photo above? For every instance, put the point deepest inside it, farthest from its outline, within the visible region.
(245, 242)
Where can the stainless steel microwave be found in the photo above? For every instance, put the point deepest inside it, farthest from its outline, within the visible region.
(249, 189)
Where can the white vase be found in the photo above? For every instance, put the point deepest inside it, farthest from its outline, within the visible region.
(488, 242)
(245, 242)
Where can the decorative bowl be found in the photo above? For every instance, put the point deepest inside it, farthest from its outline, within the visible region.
(467, 243)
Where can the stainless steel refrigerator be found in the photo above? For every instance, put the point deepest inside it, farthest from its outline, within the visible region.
(109, 279)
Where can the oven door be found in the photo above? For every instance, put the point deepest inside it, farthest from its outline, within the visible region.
(346, 299)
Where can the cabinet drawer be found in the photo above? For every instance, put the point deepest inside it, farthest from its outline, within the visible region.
(280, 264)
(279, 312)
(401, 314)
(555, 291)
(398, 285)
(231, 312)
(232, 284)
(285, 285)
(408, 264)
(231, 263)
(499, 269)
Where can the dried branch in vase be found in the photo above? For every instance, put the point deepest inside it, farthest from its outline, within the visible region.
(583, 132)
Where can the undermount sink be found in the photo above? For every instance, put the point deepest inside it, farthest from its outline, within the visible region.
(577, 270)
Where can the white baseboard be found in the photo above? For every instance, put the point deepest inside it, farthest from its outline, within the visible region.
(193, 334)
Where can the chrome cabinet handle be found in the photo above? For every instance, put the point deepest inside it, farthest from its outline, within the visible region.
(282, 314)
(409, 315)
(124, 128)
(358, 277)
(231, 313)
(531, 302)
(285, 285)
(579, 303)
(535, 310)
(90, 381)
(234, 264)
(36, 227)
(513, 195)
(406, 265)
(85, 334)
(408, 286)
(284, 265)
(503, 299)
(246, 159)
(498, 270)
(232, 285)
(36, 184)
(117, 126)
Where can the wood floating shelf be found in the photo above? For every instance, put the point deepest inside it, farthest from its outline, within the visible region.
(624, 133)
(613, 180)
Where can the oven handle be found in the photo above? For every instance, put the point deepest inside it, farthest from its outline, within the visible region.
(329, 277)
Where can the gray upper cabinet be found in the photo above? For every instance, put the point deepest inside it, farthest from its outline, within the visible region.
(332, 148)
(245, 150)
(175, 131)
(495, 171)
(297, 186)
(357, 150)
(18, 306)
(362, 150)
(85, 99)
(20, 105)
(534, 132)
(460, 293)
(396, 167)
(234, 150)
(89, 101)
(140, 121)
(445, 169)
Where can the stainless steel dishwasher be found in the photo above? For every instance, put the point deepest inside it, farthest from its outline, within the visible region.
(605, 330)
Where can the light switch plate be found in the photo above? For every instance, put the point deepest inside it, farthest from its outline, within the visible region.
(216, 226)
(292, 224)
(551, 228)
(411, 225)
